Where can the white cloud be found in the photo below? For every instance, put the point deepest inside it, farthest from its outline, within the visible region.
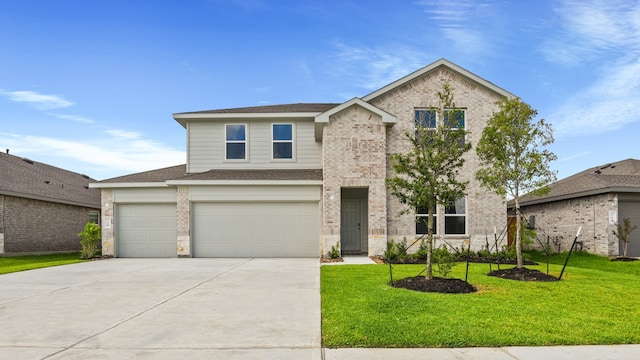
(75, 118)
(372, 68)
(119, 154)
(36, 100)
(608, 104)
(589, 29)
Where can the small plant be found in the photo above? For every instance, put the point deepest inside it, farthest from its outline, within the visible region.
(444, 260)
(334, 253)
(421, 253)
(401, 249)
(90, 240)
(622, 232)
(390, 254)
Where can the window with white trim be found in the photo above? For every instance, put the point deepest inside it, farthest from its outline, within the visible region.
(428, 118)
(421, 220)
(282, 141)
(236, 141)
(455, 217)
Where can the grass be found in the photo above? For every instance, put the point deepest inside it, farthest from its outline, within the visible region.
(11, 264)
(595, 303)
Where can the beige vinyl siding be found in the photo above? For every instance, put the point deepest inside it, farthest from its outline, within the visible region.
(206, 141)
(145, 195)
(290, 193)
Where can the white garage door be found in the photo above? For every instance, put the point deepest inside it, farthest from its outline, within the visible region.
(146, 230)
(268, 229)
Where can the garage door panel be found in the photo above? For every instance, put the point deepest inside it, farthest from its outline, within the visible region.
(267, 229)
(146, 230)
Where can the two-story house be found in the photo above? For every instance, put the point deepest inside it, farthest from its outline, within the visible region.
(294, 180)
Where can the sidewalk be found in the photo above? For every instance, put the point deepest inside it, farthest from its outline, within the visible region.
(593, 352)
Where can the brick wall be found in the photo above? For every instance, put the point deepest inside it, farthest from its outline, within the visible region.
(484, 209)
(561, 219)
(41, 226)
(354, 149)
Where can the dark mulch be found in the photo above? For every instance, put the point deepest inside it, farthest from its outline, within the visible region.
(330, 260)
(522, 274)
(475, 259)
(624, 258)
(439, 285)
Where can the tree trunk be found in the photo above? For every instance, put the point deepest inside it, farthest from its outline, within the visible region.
(429, 271)
(518, 235)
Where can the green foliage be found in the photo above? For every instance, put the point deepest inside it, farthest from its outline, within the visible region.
(90, 240)
(334, 253)
(623, 231)
(445, 260)
(421, 253)
(426, 174)
(514, 160)
(390, 254)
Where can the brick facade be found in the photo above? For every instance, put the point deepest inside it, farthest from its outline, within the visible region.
(357, 148)
(561, 220)
(29, 225)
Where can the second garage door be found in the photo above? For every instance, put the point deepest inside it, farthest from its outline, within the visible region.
(146, 230)
(267, 229)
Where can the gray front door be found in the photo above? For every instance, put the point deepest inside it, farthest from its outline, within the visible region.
(350, 226)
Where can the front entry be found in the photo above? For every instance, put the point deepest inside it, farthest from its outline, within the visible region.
(353, 221)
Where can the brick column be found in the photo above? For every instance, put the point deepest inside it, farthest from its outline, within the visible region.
(183, 218)
(108, 239)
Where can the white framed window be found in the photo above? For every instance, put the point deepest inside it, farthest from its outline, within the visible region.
(235, 141)
(429, 119)
(455, 217)
(282, 141)
(421, 220)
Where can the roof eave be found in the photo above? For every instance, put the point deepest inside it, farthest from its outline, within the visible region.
(613, 189)
(127, 185)
(183, 118)
(243, 182)
(430, 67)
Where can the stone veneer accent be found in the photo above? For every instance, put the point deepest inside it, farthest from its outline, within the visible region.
(108, 238)
(561, 220)
(183, 219)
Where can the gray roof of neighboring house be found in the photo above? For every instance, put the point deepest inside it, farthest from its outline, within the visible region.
(621, 176)
(179, 173)
(284, 108)
(22, 177)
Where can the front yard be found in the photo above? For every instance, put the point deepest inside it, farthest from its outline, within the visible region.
(11, 264)
(597, 302)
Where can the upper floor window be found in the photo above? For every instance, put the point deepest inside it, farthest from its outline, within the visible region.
(428, 118)
(236, 141)
(282, 141)
(455, 216)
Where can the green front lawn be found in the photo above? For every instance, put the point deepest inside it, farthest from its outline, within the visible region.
(11, 264)
(597, 302)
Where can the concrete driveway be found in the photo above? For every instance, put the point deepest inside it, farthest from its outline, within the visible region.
(163, 309)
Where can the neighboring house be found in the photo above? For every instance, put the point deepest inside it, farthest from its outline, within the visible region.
(297, 179)
(43, 208)
(595, 199)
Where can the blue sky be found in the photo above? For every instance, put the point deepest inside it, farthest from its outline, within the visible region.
(90, 86)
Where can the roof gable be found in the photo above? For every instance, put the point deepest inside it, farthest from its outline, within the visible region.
(442, 63)
(323, 118)
(22, 177)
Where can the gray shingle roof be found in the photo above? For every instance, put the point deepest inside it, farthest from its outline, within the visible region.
(288, 174)
(179, 173)
(159, 175)
(22, 177)
(621, 176)
(284, 108)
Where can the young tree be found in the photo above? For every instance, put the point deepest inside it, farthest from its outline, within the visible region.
(622, 232)
(425, 176)
(513, 158)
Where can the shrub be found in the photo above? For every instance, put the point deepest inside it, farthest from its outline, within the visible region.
(334, 253)
(90, 240)
(444, 260)
(401, 249)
